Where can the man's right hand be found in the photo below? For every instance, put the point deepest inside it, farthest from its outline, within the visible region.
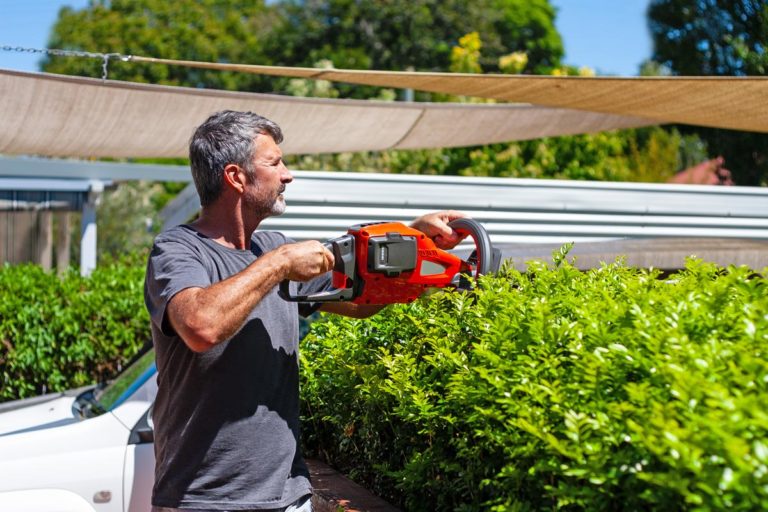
(305, 260)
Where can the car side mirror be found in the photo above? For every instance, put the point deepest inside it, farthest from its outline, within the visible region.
(143, 432)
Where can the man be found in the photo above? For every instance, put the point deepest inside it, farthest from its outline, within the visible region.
(227, 410)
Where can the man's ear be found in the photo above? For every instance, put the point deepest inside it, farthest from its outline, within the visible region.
(235, 177)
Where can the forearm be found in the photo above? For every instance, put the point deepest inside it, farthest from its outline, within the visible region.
(204, 317)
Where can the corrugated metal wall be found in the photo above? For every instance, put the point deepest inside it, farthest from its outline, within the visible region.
(322, 205)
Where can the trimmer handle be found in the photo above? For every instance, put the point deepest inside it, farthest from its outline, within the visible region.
(343, 249)
(488, 258)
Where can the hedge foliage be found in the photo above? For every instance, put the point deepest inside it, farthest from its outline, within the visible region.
(612, 389)
(61, 332)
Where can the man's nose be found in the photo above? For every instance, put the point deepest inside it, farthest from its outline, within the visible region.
(285, 174)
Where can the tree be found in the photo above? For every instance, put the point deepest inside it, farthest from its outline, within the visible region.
(412, 34)
(717, 37)
(206, 30)
(361, 34)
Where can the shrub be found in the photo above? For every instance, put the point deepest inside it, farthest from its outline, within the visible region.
(63, 332)
(612, 389)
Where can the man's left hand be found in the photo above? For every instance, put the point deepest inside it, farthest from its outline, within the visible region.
(435, 226)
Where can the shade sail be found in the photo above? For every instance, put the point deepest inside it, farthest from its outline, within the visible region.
(64, 116)
(739, 103)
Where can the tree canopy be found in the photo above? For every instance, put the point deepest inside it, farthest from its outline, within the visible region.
(418, 34)
(717, 37)
(710, 37)
(206, 30)
(361, 34)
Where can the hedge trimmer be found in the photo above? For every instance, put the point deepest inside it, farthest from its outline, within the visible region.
(389, 262)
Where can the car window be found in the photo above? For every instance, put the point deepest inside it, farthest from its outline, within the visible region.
(132, 379)
(136, 382)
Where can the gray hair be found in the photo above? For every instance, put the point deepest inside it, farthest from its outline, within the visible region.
(227, 137)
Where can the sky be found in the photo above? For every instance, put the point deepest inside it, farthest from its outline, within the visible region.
(609, 36)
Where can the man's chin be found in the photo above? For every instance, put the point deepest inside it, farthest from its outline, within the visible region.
(278, 208)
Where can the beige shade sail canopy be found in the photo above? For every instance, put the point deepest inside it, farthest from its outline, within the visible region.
(64, 116)
(739, 103)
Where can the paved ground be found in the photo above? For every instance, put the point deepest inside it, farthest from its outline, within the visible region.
(333, 492)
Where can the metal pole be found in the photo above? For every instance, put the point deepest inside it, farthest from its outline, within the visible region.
(88, 229)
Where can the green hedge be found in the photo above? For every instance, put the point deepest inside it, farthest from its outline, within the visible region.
(609, 389)
(58, 333)
(612, 389)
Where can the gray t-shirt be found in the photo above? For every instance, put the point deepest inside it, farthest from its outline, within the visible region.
(226, 420)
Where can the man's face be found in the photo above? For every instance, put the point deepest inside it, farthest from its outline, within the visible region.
(264, 194)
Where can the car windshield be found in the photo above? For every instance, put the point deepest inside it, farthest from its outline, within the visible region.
(107, 396)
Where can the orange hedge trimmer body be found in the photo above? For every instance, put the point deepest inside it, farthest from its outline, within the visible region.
(389, 263)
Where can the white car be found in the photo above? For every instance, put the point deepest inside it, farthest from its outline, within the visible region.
(84, 450)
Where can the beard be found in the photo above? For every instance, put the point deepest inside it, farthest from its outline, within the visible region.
(270, 205)
(278, 206)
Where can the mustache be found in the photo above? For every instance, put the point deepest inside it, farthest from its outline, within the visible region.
(281, 190)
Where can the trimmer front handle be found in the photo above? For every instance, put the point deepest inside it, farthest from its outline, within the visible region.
(343, 250)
